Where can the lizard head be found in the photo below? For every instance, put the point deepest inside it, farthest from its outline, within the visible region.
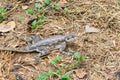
(71, 37)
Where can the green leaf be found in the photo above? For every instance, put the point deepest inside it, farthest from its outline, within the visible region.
(56, 7)
(40, 11)
(2, 14)
(34, 25)
(1, 19)
(52, 73)
(56, 60)
(80, 58)
(66, 77)
(66, 9)
(46, 2)
(42, 17)
(77, 56)
(59, 71)
(40, 22)
(84, 59)
(37, 6)
(77, 64)
(31, 12)
(43, 76)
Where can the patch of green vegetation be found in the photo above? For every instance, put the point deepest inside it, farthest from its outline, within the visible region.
(52, 73)
(43, 76)
(66, 77)
(40, 11)
(2, 14)
(36, 23)
(37, 6)
(66, 10)
(56, 60)
(61, 70)
(46, 3)
(56, 7)
(31, 12)
(80, 58)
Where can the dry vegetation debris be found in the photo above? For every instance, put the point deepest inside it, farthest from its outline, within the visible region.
(103, 48)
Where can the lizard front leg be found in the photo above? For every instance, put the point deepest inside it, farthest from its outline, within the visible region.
(62, 47)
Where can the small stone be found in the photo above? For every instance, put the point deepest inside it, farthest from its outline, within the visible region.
(91, 29)
(25, 7)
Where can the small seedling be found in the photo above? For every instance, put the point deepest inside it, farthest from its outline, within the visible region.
(56, 7)
(80, 58)
(46, 3)
(56, 60)
(31, 12)
(52, 73)
(66, 77)
(37, 6)
(36, 24)
(2, 14)
(66, 10)
(43, 76)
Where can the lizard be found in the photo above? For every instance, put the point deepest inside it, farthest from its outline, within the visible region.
(43, 46)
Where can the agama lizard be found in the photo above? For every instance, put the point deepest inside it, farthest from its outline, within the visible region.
(44, 46)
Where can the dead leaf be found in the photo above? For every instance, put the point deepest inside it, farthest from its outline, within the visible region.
(80, 73)
(7, 27)
(91, 29)
(63, 1)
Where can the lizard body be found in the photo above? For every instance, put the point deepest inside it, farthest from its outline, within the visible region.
(43, 46)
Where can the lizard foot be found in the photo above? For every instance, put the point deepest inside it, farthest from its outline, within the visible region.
(37, 59)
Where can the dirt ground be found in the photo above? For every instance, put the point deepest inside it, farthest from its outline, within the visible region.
(103, 48)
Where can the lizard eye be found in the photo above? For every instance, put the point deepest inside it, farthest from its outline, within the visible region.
(70, 38)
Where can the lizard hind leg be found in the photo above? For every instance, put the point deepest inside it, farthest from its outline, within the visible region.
(42, 52)
(62, 47)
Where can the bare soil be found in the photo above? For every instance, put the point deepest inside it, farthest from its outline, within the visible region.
(103, 48)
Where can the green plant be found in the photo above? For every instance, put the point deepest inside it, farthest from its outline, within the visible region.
(52, 73)
(56, 7)
(66, 77)
(37, 23)
(47, 2)
(61, 69)
(38, 6)
(73, 65)
(56, 60)
(39, 11)
(80, 58)
(31, 12)
(43, 76)
(2, 14)
(66, 10)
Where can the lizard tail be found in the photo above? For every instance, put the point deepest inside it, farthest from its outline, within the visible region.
(13, 49)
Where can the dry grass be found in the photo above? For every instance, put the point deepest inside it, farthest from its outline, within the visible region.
(103, 48)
